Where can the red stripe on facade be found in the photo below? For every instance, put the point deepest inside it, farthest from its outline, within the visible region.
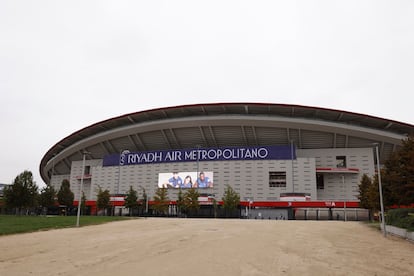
(274, 204)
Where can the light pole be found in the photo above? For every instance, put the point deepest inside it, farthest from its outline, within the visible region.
(81, 187)
(144, 194)
(250, 207)
(343, 184)
(53, 169)
(146, 205)
(121, 162)
(293, 173)
(380, 190)
(198, 160)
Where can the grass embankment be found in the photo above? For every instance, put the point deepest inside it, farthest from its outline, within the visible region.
(374, 224)
(23, 224)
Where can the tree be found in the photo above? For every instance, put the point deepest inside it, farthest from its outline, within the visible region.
(22, 194)
(231, 199)
(190, 201)
(161, 201)
(398, 175)
(131, 200)
(103, 199)
(65, 196)
(364, 191)
(47, 197)
(369, 194)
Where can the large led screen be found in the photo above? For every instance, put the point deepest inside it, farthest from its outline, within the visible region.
(185, 180)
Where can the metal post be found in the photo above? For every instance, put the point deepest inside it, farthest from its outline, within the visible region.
(146, 207)
(119, 172)
(144, 192)
(343, 184)
(81, 188)
(197, 167)
(122, 152)
(380, 192)
(293, 173)
(146, 199)
(198, 161)
(44, 209)
(53, 170)
(250, 207)
(198, 158)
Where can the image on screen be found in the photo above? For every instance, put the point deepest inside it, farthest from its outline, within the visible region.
(185, 180)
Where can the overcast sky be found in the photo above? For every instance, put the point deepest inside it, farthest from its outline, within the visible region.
(67, 64)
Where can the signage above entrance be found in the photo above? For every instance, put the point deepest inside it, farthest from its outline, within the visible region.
(201, 154)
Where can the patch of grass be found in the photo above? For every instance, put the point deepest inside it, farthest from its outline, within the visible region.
(23, 224)
(374, 224)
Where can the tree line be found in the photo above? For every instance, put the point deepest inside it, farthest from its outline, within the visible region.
(397, 180)
(23, 197)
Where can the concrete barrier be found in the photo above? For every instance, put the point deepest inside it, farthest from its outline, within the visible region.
(400, 232)
(410, 236)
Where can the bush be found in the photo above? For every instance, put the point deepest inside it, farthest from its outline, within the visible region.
(403, 218)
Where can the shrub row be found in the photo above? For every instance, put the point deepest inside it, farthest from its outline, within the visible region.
(402, 218)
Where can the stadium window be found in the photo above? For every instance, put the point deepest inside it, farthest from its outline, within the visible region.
(341, 161)
(87, 170)
(277, 179)
(320, 183)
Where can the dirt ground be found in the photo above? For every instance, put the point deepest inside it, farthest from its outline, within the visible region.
(208, 247)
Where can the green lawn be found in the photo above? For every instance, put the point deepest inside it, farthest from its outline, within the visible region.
(374, 224)
(24, 224)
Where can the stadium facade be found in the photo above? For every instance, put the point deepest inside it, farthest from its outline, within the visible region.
(276, 156)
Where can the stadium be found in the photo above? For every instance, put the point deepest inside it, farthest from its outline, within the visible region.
(285, 161)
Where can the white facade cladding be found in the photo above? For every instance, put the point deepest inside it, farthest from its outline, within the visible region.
(340, 181)
(250, 178)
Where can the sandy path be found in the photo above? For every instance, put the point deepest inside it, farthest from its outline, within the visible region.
(208, 247)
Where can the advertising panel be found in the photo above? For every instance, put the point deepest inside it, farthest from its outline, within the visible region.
(185, 180)
(201, 154)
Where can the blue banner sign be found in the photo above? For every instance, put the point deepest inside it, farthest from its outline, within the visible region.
(201, 154)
